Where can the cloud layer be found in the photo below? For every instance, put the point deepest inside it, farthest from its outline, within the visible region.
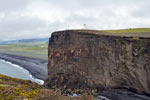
(39, 18)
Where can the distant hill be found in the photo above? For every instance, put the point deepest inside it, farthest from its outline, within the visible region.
(34, 40)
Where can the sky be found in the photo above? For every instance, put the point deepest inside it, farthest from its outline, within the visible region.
(21, 19)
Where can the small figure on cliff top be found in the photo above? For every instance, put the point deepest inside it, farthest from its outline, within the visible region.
(84, 27)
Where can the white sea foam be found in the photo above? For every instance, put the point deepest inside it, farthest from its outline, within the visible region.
(74, 95)
(41, 82)
(101, 98)
(96, 97)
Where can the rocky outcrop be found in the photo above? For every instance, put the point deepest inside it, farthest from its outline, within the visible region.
(89, 60)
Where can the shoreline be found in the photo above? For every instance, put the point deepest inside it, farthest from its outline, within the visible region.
(41, 82)
(37, 67)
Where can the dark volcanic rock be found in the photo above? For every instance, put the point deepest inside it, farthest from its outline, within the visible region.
(122, 94)
(85, 60)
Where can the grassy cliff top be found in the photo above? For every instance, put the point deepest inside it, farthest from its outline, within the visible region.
(132, 32)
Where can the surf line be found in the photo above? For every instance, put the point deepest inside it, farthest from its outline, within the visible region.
(41, 82)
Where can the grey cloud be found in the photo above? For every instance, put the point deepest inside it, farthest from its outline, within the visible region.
(77, 4)
(21, 24)
(142, 11)
(12, 5)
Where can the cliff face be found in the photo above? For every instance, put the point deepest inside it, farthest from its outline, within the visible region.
(81, 60)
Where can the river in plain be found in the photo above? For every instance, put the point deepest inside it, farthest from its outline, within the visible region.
(16, 71)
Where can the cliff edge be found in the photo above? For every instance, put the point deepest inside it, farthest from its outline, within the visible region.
(81, 60)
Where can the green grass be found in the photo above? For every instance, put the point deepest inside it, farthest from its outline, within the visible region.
(13, 88)
(135, 30)
(132, 32)
(35, 50)
(2, 85)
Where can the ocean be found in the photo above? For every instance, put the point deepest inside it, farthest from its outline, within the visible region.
(16, 71)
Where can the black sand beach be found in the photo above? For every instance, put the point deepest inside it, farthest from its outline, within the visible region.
(37, 67)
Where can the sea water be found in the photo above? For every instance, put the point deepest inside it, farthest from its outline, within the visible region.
(16, 71)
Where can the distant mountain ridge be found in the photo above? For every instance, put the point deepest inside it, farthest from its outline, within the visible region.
(33, 40)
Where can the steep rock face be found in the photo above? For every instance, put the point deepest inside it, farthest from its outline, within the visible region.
(81, 60)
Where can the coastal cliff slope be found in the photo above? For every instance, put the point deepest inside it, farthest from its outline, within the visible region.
(18, 89)
(82, 59)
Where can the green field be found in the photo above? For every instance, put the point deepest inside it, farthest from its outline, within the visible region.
(34, 50)
(134, 32)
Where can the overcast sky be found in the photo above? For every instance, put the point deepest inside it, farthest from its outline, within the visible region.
(39, 18)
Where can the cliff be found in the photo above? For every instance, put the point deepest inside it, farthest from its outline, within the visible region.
(93, 60)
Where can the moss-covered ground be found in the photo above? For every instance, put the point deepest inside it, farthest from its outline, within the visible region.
(131, 32)
(18, 89)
